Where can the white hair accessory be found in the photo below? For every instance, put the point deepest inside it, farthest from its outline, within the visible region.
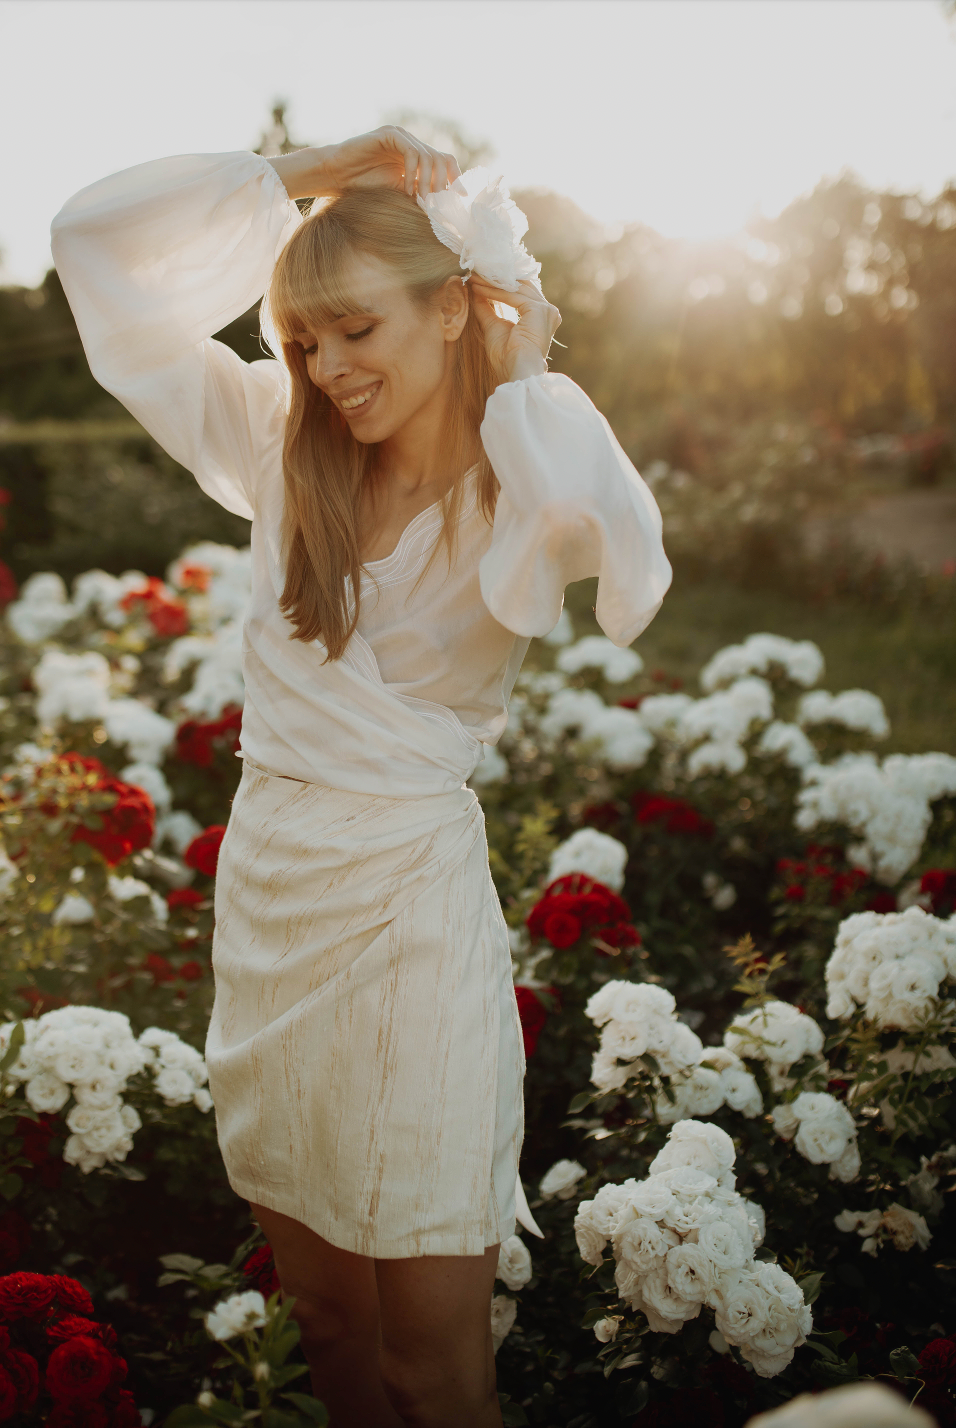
(477, 219)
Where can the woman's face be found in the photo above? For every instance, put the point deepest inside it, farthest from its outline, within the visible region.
(383, 366)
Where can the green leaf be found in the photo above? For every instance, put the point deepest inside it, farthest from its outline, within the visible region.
(310, 1406)
(211, 1271)
(904, 1363)
(13, 1047)
(10, 1186)
(810, 1284)
(578, 1102)
(190, 1415)
(513, 1415)
(185, 1262)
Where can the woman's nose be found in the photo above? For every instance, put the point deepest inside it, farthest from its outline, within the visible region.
(329, 364)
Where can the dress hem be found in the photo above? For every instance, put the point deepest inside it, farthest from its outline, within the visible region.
(435, 1242)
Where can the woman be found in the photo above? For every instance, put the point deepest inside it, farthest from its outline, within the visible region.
(421, 491)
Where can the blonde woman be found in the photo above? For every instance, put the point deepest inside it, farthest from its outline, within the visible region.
(421, 490)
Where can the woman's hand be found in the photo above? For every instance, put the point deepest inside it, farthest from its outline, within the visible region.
(517, 349)
(385, 158)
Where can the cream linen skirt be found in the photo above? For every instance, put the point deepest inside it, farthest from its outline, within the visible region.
(365, 1052)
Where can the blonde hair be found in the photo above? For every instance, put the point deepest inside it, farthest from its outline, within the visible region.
(325, 469)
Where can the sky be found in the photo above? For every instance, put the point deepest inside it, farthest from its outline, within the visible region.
(688, 115)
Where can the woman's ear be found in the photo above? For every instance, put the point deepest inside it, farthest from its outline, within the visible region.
(454, 308)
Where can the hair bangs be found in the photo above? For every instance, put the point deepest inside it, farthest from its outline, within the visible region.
(307, 290)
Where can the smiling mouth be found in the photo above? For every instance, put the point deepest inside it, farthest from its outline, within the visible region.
(361, 400)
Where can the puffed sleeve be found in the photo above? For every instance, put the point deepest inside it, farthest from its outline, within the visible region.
(153, 261)
(571, 505)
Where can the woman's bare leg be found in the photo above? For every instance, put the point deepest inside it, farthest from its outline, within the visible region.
(337, 1312)
(437, 1362)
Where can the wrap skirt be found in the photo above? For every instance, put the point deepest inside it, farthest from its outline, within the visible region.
(365, 1052)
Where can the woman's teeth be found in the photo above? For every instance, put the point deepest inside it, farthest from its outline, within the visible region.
(349, 402)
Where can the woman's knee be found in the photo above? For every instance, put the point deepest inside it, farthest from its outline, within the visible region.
(416, 1384)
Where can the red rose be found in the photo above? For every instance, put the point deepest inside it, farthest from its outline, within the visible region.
(160, 969)
(190, 971)
(25, 1372)
(260, 1270)
(8, 584)
(676, 814)
(196, 741)
(633, 701)
(562, 929)
(795, 893)
(183, 897)
(8, 1396)
(71, 1296)
(619, 935)
(602, 815)
(203, 852)
(938, 1363)
(127, 826)
(533, 1017)
(168, 616)
(940, 883)
(36, 1137)
(79, 1369)
(72, 1413)
(25, 1296)
(126, 1414)
(195, 577)
(882, 902)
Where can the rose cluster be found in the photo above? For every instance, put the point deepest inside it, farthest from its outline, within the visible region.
(888, 806)
(778, 1034)
(823, 1131)
(89, 1055)
(798, 660)
(640, 1020)
(684, 1238)
(891, 965)
(57, 1365)
(855, 709)
(576, 906)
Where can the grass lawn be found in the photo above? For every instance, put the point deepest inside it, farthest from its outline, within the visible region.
(908, 658)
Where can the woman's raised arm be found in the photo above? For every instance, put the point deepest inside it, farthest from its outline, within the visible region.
(153, 261)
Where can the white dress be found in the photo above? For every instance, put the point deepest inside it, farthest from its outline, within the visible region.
(364, 1050)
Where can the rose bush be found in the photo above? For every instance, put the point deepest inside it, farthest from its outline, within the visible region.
(637, 831)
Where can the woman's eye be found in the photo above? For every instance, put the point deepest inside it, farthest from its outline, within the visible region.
(354, 336)
(307, 351)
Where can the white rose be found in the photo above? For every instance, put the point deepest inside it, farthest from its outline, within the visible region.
(905, 1228)
(756, 1220)
(702, 1092)
(77, 1152)
(175, 1086)
(514, 1263)
(742, 1307)
(659, 1294)
(561, 1180)
(106, 1132)
(723, 1246)
(202, 1100)
(652, 1197)
(101, 1094)
(46, 1093)
(77, 1063)
(503, 1311)
(238, 1314)
(131, 1119)
(606, 1329)
(848, 1166)
(595, 854)
(643, 1242)
(741, 1091)
(591, 1243)
(690, 1272)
